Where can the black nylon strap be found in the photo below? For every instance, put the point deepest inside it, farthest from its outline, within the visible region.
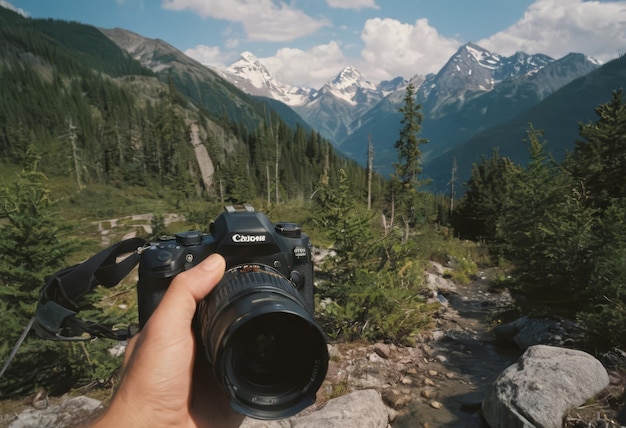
(59, 298)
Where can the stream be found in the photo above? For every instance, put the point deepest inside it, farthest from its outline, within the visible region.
(468, 355)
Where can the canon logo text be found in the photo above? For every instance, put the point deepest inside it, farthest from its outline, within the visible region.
(248, 238)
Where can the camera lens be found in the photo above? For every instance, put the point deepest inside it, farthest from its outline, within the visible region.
(266, 349)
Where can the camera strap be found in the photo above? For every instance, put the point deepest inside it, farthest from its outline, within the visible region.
(60, 297)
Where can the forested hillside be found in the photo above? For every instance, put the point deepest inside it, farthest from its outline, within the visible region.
(93, 113)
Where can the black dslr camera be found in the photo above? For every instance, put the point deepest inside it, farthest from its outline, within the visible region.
(257, 325)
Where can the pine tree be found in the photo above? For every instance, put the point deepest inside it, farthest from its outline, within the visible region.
(600, 159)
(409, 167)
(405, 182)
(346, 223)
(490, 184)
(32, 246)
(546, 228)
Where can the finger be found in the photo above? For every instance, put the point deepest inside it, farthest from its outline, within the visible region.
(130, 347)
(128, 353)
(202, 278)
(189, 287)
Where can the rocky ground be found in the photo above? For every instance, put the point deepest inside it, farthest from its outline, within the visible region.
(442, 380)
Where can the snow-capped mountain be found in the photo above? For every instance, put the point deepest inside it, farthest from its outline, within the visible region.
(329, 109)
(252, 77)
(474, 91)
(351, 87)
(472, 71)
(520, 64)
(333, 108)
(466, 92)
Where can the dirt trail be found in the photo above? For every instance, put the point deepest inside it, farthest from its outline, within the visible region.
(469, 356)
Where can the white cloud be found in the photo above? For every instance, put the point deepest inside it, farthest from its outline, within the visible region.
(352, 4)
(393, 48)
(5, 4)
(558, 27)
(312, 68)
(262, 20)
(231, 43)
(208, 55)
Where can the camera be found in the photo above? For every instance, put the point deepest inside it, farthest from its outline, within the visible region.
(257, 326)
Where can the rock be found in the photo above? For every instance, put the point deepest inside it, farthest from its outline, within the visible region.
(450, 375)
(375, 358)
(118, 349)
(525, 331)
(334, 353)
(71, 412)
(441, 358)
(360, 409)
(436, 405)
(438, 268)
(538, 390)
(382, 350)
(437, 335)
(428, 393)
(436, 283)
(395, 398)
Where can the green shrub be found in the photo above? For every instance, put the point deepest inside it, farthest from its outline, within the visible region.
(379, 307)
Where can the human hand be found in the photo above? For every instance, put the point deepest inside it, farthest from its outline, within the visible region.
(160, 384)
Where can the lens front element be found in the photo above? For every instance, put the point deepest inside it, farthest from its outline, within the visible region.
(265, 347)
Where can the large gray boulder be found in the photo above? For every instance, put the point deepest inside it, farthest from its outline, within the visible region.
(70, 412)
(526, 331)
(542, 386)
(359, 409)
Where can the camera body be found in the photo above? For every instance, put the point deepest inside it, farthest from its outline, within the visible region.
(257, 325)
(241, 236)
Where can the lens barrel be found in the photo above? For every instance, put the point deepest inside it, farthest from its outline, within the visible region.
(265, 347)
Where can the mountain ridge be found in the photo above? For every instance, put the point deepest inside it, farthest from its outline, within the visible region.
(558, 115)
(474, 91)
(346, 103)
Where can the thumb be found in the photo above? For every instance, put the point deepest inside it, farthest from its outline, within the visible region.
(189, 287)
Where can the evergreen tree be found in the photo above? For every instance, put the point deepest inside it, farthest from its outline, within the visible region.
(546, 228)
(406, 179)
(346, 223)
(600, 158)
(409, 167)
(32, 246)
(490, 184)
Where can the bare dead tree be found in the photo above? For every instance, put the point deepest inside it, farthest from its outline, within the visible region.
(370, 167)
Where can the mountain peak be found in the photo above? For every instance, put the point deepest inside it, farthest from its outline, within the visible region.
(479, 55)
(248, 56)
(251, 76)
(349, 75)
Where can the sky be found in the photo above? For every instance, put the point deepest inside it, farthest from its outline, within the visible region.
(308, 42)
